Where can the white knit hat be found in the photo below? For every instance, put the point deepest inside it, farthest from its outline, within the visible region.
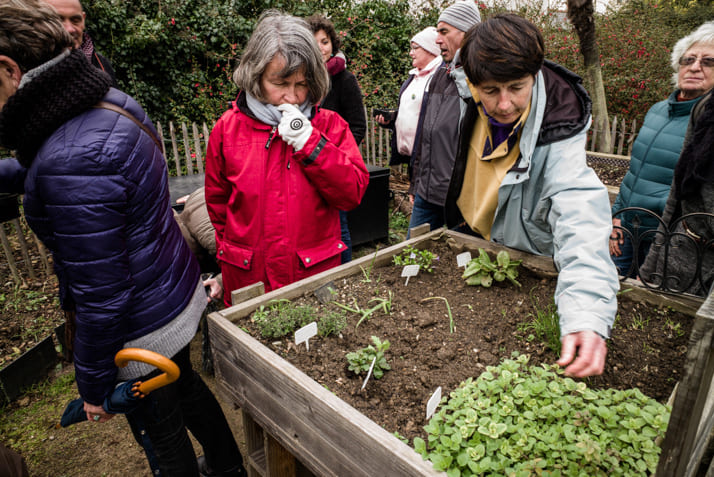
(427, 40)
(461, 15)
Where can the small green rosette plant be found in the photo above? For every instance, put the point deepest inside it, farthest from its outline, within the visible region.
(519, 420)
(483, 271)
(360, 361)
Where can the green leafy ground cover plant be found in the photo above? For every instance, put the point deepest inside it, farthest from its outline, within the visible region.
(483, 271)
(414, 256)
(519, 420)
(360, 361)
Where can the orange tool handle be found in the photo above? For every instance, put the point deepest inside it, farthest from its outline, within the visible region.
(170, 369)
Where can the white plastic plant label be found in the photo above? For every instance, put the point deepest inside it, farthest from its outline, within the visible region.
(463, 259)
(369, 373)
(304, 334)
(410, 271)
(433, 403)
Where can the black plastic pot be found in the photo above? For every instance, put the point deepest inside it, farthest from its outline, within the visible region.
(9, 207)
(30, 368)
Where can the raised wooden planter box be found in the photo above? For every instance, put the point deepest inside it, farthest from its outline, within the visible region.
(293, 425)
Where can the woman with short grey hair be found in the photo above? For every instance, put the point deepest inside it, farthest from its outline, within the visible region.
(284, 35)
(278, 168)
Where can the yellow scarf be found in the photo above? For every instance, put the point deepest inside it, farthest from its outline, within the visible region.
(483, 176)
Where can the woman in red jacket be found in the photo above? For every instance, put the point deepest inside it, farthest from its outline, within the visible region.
(278, 169)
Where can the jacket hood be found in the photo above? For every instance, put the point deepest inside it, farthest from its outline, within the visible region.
(568, 106)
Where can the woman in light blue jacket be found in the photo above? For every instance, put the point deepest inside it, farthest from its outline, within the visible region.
(521, 178)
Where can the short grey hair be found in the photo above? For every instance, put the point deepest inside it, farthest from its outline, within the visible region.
(703, 34)
(289, 37)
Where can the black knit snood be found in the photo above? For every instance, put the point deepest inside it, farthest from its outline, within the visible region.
(58, 94)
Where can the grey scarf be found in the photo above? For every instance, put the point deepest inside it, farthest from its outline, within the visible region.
(269, 114)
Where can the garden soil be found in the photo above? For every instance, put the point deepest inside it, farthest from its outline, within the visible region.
(647, 349)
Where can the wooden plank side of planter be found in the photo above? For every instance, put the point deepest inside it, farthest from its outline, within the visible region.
(325, 433)
(686, 437)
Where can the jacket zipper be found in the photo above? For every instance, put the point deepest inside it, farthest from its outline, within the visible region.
(271, 136)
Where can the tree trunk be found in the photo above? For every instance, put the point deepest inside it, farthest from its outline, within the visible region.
(580, 14)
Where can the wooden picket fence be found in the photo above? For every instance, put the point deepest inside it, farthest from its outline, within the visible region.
(185, 150)
(188, 151)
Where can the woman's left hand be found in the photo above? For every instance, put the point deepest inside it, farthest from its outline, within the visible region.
(294, 127)
(96, 413)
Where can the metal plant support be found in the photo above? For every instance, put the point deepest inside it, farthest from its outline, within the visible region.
(679, 244)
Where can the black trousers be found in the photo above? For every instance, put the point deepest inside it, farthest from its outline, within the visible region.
(161, 421)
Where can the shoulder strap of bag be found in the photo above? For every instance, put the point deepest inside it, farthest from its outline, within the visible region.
(124, 112)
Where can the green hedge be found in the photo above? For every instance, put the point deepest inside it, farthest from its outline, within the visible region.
(176, 56)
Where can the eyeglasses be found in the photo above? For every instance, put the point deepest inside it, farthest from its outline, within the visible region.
(414, 47)
(705, 61)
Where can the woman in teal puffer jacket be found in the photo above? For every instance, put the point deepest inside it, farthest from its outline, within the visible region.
(656, 150)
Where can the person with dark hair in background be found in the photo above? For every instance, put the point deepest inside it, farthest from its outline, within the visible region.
(344, 97)
(278, 168)
(96, 194)
(521, 178)
(683, 257)
(73, 20)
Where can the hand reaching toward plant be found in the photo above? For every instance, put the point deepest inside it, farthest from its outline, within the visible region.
(591, 351)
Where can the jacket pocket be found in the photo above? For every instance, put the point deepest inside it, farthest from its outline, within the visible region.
(236, 256)
(309, 257)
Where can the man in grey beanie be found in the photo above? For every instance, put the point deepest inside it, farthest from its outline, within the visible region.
(453, 23)
(443, 108)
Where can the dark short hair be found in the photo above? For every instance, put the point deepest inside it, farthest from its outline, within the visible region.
(503, 48)
(317, 23)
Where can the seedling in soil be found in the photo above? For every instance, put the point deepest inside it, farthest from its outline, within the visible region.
(483, 271)
(414, 256)
(368, 271)
(384, 304)
(544, 325)
(448, 310)
(361, 360)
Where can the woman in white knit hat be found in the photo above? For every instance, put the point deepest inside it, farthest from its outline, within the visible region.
(405, 123)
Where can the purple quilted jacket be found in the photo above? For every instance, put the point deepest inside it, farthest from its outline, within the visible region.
(97, 196)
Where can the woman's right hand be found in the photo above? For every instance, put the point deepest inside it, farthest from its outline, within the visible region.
(380, 119)
(96, 413)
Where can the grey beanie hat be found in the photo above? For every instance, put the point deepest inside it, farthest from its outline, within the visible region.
(461, 15)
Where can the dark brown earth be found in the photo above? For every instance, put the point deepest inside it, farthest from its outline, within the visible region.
(646, 351)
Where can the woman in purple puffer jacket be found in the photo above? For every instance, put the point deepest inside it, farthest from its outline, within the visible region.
(96, 194)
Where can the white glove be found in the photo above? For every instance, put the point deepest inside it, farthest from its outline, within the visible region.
(294, 127)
